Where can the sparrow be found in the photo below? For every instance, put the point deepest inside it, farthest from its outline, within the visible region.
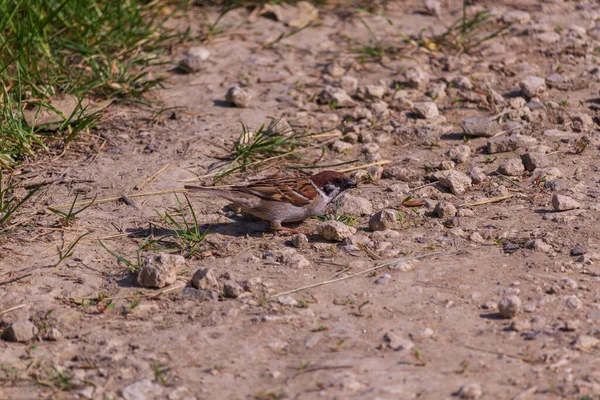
(284, 200)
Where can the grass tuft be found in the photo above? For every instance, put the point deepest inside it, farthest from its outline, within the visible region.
(80, 49)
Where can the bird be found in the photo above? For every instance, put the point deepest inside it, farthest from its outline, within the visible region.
(281, 200)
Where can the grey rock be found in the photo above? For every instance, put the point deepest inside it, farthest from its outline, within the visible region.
(477, 175)
(348, 204)
(300, 241)
(512, 167)
(204, 278)
(445, 209)
(383, 279)
(531, 161)
(573, 302)
(159, 270)
(509, 143)
(142, 390)
(348, 83)
(510, 306)
(20, 331)
(470, 391)
(195, 58)
(462, 82)
(397, 343)
(335, 230)
(293, 259)
(232, 289)
(460, 153)
(585, 343)
(427, 110)
(192, 294)
(532, 86)
(287, 301)
(53, 335)
(456, 181)
(383, 220)
(340, 146)
(337, 96)
(238, 96)
(516, 17)
(578, 251)
(564, 203)
(556, 185)
(477, 126)
(416, 78)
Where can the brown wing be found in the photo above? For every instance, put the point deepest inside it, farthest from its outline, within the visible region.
(298, 192)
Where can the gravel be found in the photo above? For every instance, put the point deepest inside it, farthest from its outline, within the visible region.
(532, 86)
(427, 110)
(444, 209)
(456, 181)
(510, 306)
(383, 220)
(232, 289)
(397, 343)
(204, 278)
(337, 96)
(20, 331)
(159, 270)
(460, 153)
(564, 203)
(535, 160)
(477, 126)
(335, 230)
(512, 167)
(471, 391)
(238, 96)
(195, 58)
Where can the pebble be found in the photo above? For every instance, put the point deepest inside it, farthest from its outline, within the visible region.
(541, 245)
(383, 280)
(383, 220)
(416, 78)
(426, 110)
(445, 209)
(532, 86)
(471, 391)
(293, 259)
(477, 175)
(348, 83)
(578, 251)
(456, 181)
(520, 325)
(548, 37)
(335, 230)
(204, 278)
(585, 343)
(337, 96)
(232, 289)
(564, 203)
(159, 270)
(574, 302)
(238, 96)
(20, 331)
(300, 241)
(477, 126)
(142, 390)
(460, 153)
(339, 146)
(287, 301)
(53, 335)
(510, 306)
(195, 58)
(531, 161)
(509, 143)
(512, 167)
(397, 343)
(193, 294)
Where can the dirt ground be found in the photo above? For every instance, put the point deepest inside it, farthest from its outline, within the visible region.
(427, 328)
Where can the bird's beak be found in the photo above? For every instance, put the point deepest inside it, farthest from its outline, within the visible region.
(350, 185)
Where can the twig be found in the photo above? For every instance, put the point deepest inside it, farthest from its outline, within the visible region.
(488, 201)
(382, 162)
(375, 268)
(149, 179)
(151, 295)
(422, 186)
(12, 309)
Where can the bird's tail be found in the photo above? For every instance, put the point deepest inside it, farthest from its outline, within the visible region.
(210, 191)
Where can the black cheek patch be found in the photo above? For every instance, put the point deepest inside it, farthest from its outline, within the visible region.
(329, 189)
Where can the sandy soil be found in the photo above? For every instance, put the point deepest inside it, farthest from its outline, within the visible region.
(427, 328)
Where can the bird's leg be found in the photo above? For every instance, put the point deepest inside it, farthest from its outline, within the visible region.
(276, 226)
